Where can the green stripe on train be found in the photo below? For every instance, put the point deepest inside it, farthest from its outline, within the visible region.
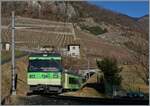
(45, 58)
(44, 75)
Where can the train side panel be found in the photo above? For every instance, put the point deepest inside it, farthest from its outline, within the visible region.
(52, 78)
(71, 82)
(44, 81)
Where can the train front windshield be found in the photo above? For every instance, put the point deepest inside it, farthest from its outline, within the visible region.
(44, 65)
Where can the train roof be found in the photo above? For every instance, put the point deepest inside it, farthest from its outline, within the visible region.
(45, 54)
(73, 72)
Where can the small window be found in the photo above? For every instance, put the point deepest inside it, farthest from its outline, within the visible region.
(73, 81)
(73, 54)
(73, 47)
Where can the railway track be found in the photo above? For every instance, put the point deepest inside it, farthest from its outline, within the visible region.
(100, 101)
(47, 99)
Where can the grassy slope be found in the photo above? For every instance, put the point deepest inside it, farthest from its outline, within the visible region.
(6, 55)
(132, 80)
(21, 66)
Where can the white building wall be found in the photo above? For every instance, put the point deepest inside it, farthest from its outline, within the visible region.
(7, 46)
(74, 51)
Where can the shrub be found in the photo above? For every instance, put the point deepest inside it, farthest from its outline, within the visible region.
(111, 73)
(96, 30)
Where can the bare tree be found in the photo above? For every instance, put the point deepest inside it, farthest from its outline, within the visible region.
(144, 72)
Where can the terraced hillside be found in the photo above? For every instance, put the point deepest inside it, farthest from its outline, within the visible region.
(60, 34)
(97, 47)
(40, 33)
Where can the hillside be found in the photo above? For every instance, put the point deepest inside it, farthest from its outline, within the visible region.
(69, 11)
(144, 22)
(123, 36)
(112, 35)
(82, 13)
(34, 38)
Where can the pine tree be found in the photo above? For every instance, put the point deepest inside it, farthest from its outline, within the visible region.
(111, 71)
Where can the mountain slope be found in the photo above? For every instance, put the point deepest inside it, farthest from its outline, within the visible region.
(144, 21)
(125, 28)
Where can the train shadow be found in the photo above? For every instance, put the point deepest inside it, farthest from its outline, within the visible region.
(96, 86)
(41, 93)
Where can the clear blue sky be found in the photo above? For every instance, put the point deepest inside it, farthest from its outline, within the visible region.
(130, 8)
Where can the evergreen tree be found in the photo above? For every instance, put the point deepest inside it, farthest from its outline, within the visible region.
(111, 71)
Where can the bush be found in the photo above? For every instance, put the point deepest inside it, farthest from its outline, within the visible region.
(96, 30)
(111, 73)
(6, 55)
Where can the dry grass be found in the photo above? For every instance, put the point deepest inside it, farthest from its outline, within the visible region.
(6, 55)
(22, 76)
(85, 92)
(131, 80)
(5, 80)
(21, 66)
(98, 48)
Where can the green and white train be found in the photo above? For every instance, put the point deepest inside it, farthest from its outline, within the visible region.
(46, 74)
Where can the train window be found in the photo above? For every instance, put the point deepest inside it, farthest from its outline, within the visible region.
(91, 73)
(43, 65)
(73, 81)
(55, 75)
